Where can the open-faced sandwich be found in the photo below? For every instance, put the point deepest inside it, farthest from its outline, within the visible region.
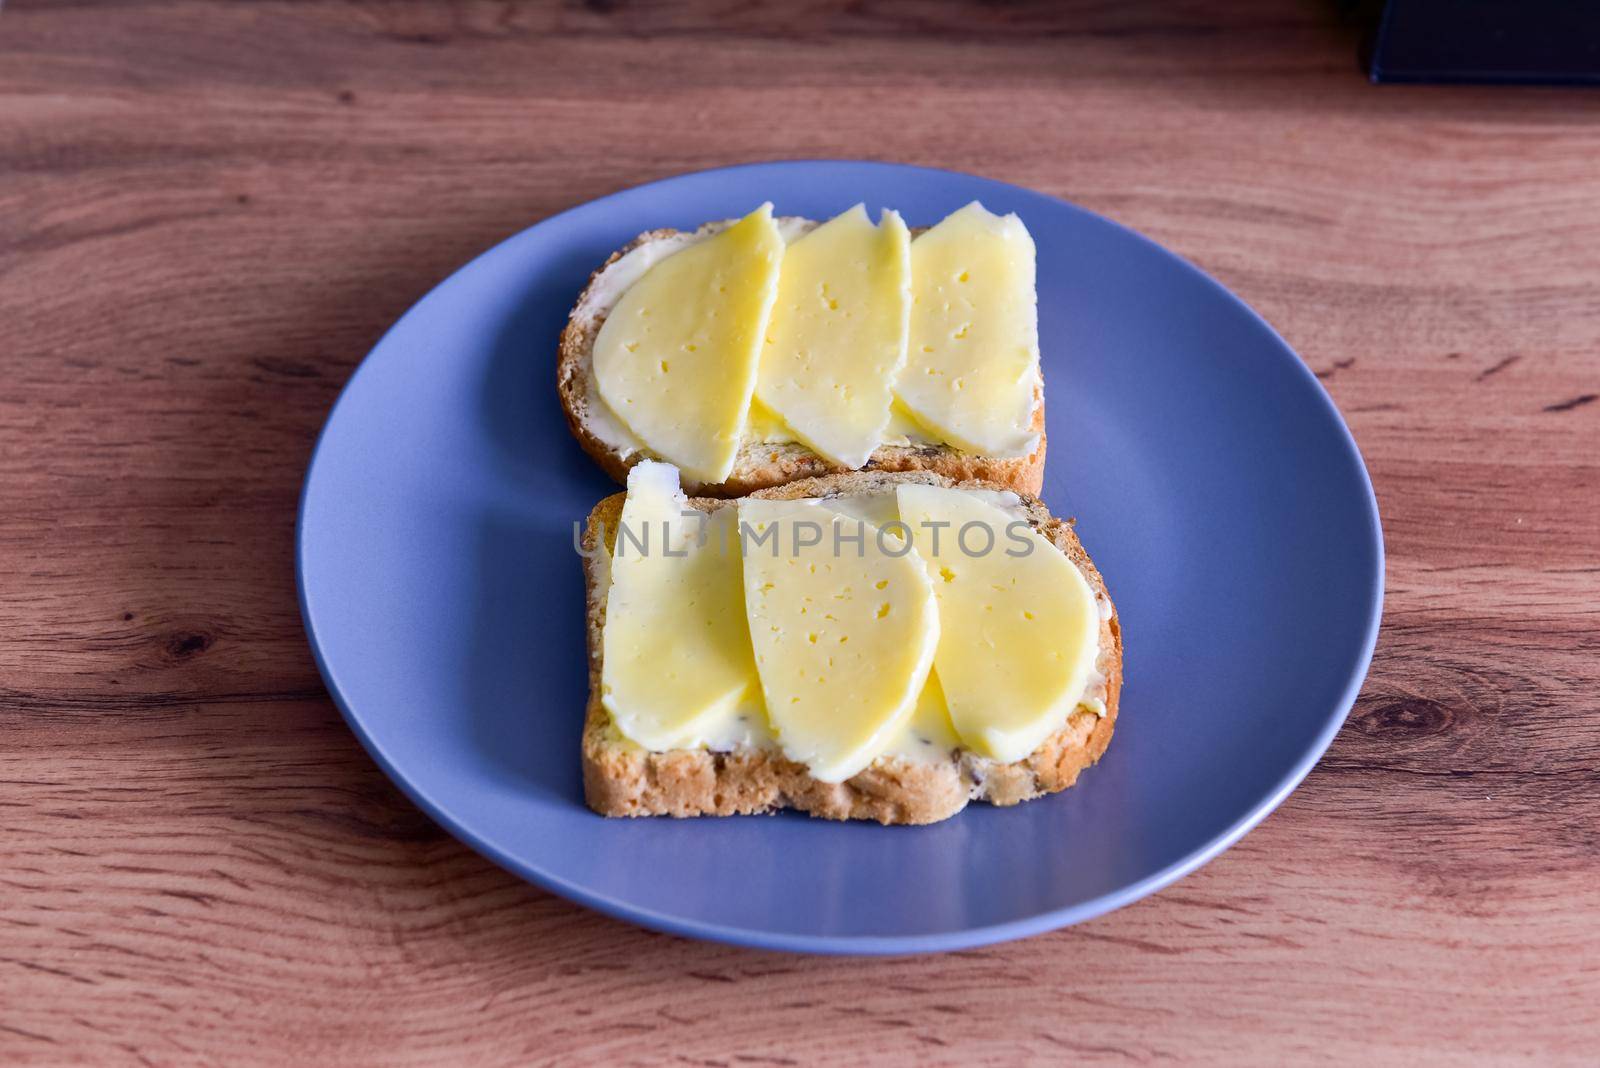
(754, 352)
(881, 646)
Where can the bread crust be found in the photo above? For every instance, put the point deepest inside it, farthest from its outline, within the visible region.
(622, 779)
(762, 465)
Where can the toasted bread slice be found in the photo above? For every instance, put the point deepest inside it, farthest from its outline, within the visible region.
(623, 779)
(760, 465)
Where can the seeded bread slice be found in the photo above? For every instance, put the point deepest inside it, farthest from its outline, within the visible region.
(759, 465)
(622, 779)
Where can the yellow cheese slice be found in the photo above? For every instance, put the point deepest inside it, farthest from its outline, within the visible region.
(972, 365)
(676, 651)
(765, 425)
(928, 735)
(1019, 629)
(903, 428)
(843, 632)
(877, 509)
(676, 359)
(837, 338)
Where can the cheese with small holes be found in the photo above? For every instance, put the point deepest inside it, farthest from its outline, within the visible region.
(675, 361)
(843, 631)
(676, 657)
(972, 365)
(837, 337)
(1019, 626)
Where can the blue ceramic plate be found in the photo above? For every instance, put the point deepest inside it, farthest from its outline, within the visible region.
(1213, 481)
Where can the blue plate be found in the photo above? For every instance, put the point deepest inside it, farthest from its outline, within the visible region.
(1213, 481)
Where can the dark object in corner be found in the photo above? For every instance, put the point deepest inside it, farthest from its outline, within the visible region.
(1508, 42)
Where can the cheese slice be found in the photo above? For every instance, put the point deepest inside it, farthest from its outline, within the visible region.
(675, 650)
(765, 425)
(877, 509)
(676, 358)
(1019, 627)
(843, 632)
(928, 736)
(837, 338)
(972, 366)
(903, 428)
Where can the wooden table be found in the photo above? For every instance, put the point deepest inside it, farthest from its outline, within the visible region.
(208, 214)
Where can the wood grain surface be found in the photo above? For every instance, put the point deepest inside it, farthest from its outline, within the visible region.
(208, 214)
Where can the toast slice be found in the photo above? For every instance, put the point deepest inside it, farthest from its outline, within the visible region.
(622, 779)
(760, 464)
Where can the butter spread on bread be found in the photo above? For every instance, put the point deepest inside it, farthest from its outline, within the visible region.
(849, 720)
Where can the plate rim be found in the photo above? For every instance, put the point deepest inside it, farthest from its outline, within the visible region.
(870, 945)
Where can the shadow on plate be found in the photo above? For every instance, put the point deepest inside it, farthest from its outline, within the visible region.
(527, 580)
